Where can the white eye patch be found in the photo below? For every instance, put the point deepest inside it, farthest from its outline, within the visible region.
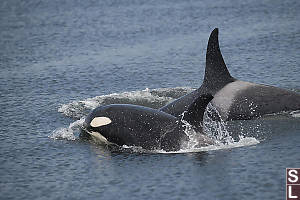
(100, 121)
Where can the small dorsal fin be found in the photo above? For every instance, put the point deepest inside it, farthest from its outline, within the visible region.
(216, 72)
(196, 110)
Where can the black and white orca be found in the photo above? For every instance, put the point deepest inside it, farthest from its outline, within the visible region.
(151, 129)
(234, 99)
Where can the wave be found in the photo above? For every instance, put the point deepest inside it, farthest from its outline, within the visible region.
(68, 133)
(193, 144)
(155, 98)
(295, 114)
(243, 142)
(223, 141)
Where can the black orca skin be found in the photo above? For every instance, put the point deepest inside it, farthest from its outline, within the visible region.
(151, 129)
(234, 99)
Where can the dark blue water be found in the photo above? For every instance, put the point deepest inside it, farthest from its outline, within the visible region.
(59, 59)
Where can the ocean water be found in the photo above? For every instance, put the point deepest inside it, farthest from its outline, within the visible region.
(61, 59)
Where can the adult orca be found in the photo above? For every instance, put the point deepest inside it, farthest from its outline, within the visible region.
(151, 129)
(234, 99)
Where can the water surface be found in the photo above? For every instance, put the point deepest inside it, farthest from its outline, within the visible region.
(59, 59)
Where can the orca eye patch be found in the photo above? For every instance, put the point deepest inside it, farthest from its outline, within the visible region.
(100, 121)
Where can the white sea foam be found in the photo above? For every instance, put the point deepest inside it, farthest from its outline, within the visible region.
(152, 98)
(295, 114)
(217, 131)
(213, 129)
(243, 142)
(67, 133)
(223, 141)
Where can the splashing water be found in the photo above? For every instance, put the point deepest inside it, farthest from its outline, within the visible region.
(192, 134)
(216, 129)
(213, 129)
(69, 132)
(154, 98)
(295, 114)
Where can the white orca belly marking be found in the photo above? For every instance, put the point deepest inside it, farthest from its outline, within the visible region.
(225, 97)
(98, 137)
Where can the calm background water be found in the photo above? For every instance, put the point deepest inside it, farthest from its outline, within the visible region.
(55, 55)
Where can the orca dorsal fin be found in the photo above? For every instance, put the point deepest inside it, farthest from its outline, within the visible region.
(216, 72)
(195, 111)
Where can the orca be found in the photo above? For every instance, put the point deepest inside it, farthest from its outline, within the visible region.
(151, 129)
(234, 99)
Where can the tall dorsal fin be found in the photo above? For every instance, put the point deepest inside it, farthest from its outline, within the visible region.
(216, 72)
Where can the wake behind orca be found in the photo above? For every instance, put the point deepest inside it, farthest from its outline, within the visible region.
(152, 129)
(140, 126)
(234, 99)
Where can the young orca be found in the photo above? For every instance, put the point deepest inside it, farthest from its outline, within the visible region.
(151, 129)
(234, 99)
